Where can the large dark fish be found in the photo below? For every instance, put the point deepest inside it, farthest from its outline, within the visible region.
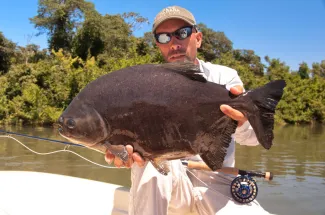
(166, 111)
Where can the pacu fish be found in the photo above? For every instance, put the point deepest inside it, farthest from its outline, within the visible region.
(165, 111)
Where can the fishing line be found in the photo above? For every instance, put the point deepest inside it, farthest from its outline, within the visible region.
(205, 184)
(110, 167)
(57, 151)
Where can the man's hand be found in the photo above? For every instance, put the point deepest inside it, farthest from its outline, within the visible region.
(133, 157)
(233, 113)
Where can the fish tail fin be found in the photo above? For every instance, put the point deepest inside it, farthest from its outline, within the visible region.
(261, 114)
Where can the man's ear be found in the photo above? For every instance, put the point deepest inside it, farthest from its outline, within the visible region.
(199, 37)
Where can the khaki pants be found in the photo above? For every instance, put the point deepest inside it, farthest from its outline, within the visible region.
(182, 193)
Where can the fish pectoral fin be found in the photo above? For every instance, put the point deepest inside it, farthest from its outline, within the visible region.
(118, 150)
(162, 166)
(215, 150)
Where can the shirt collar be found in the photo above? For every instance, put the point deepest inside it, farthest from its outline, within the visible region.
(200, 64)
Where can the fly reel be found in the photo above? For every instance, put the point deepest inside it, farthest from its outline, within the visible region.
(244, 189)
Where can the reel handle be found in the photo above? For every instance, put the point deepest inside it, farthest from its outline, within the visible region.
(228, 170)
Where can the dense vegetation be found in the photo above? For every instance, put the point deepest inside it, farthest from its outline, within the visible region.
(37, 85)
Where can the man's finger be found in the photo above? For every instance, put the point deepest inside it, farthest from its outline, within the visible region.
(138, 159)
(232, 113)
(236, 90)
(129, 162)
(118, 162)
(109, 157)
(129, 149)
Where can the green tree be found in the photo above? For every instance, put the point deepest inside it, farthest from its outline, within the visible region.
(213, 44)
(7, 51)
(60, 18)
(31, 53)
(147, 45)
(107, 35)
(303, 71)
(318, 69)
(251, 59)
(149, 39)
(276, 69)
(134, 20)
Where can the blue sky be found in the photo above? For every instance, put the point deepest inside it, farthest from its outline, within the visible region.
(291, 30)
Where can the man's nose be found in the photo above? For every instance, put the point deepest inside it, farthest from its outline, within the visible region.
(175, 47)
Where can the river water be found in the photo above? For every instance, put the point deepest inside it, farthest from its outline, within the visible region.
(297, 160)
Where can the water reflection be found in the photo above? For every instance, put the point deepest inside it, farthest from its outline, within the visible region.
(298, 151)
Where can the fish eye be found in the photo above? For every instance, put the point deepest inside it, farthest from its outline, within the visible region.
(71, 123)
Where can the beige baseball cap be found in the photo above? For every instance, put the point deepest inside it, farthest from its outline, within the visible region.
(173, 12)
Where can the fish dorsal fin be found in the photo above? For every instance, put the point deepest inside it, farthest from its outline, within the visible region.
(187, 69)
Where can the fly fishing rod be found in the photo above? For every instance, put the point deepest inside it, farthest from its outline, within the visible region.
(40, 138)
(228, 170)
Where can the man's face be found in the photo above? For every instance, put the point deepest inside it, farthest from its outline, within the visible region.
(175, 49)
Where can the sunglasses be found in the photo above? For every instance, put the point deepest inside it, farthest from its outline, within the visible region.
(180, 34)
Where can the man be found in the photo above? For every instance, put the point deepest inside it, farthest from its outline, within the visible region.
(183, 191)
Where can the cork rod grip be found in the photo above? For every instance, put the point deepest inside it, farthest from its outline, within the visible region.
(227, 170)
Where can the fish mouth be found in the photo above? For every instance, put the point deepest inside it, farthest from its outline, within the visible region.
(76, 140)
(72, 138)
(63, 133)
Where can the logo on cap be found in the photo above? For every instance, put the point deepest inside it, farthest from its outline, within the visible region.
(167, 12)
